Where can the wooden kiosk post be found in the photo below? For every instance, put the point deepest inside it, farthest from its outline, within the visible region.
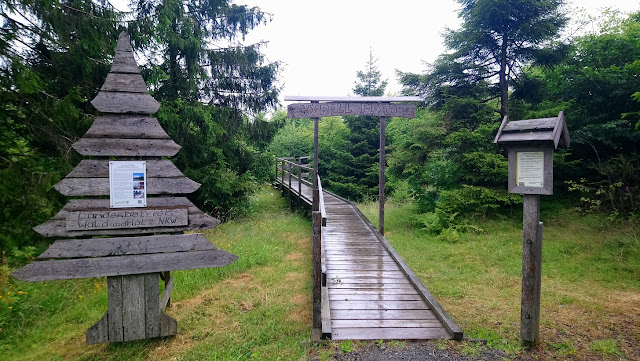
(530, 145)
(146, 213)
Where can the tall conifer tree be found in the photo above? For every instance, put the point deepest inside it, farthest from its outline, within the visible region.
(359, 176)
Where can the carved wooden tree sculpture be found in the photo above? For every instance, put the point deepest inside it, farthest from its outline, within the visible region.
(132, 264)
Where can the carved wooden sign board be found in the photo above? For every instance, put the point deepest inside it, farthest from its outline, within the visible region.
(133, 265)
(313, 110)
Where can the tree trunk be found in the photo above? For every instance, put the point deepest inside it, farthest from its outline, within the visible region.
(504, 83)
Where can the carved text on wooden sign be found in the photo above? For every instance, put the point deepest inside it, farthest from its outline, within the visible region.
(313, 110)
(126, 218)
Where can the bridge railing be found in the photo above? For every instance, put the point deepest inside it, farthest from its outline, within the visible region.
(291, 169)
(294, 169)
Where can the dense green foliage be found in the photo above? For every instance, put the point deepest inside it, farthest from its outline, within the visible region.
(597, 86)
(54, 56)
(359, 176)
(497, 38)
(447, 156)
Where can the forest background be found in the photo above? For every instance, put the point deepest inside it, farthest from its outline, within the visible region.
(218, 96)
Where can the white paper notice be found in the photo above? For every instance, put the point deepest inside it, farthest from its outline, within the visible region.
(530, 169)
(128, 184)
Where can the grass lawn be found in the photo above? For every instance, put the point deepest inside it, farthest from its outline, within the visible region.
(590, 307)
(259, 307)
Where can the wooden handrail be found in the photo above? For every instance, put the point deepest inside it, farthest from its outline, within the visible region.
(321, 200)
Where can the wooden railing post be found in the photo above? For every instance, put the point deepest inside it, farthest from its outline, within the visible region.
(300, 181)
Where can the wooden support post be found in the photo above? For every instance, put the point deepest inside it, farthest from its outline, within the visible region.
(300, 183)
(316, 198)
(276, 171)
(282, 173)
(317, 273)
(531, 270)
(134, 311)
(383, 131)
(290, 190)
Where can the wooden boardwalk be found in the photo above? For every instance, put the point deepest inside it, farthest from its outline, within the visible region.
(370, 292)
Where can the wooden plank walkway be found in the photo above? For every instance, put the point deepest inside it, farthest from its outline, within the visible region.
(372, 294)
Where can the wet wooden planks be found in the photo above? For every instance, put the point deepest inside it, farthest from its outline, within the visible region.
(370, 296)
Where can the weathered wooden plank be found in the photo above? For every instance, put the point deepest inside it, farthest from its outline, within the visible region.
(99, 168)
(101, 247)
(363, 259)
(130, 83)
(382, 315)
(370, 285)
(114, 309)
(300, 98)
(126, 147)
(382, 267)
(75, 205)
(317, 269)
(58, 228)
(127, 218)
(378, 305)
(371, 291)
(133, 307)
(124, 43)
(312, 110)
(168, 325)
(530, 124)
(383, 261)
(125, 103)
(126, 126)
(526, 136)
(166, 295)
(374, 297)
(124, 62)
(362, 274)
(326, 314)
(389, 333)
(386, 323)
(100, 186)
(151, 305)
(382, 282)
(98, 333)
(122, 265)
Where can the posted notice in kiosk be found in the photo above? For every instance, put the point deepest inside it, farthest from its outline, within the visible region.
(530, 169)
(128, 184)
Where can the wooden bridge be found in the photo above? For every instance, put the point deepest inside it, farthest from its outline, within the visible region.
(365, 291)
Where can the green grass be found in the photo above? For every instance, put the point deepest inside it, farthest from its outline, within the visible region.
(590, 278)
(257, 308)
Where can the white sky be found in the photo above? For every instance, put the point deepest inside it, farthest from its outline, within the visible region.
(323, 43)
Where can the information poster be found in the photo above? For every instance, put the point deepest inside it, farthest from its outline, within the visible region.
(128, 184)
(530, 169)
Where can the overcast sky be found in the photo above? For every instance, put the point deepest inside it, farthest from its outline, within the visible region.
(322, 44)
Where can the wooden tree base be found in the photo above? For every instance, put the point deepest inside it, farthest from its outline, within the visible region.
(135, 310)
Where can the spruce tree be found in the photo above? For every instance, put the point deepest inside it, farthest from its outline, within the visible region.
(357, 176)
